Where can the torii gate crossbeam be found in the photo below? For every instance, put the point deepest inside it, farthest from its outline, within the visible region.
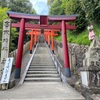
(25, 18)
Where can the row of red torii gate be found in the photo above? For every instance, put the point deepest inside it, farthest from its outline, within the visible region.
(44, 22)
(36, 35)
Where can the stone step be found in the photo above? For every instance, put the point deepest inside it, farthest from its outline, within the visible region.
(41, 69)
(43, 79)
(43, 55)
(42, 72)
(43, 66)
(43, 60)
(42, 75)
(32, 64)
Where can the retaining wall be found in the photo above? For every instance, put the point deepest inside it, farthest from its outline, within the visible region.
(76, 55)
(25, 49)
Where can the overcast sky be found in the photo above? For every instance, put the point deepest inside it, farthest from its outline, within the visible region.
(40, 6)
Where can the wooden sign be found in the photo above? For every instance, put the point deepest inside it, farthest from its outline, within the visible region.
(5, 43)
(7, 70)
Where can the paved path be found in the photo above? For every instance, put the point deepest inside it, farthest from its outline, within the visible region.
(41, 91)
(45, 90)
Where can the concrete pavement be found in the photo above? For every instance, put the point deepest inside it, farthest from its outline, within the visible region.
(41, 91)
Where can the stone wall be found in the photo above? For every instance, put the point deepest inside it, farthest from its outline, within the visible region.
(76, 54)
(25, 49)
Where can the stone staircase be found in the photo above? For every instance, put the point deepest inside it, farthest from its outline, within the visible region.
(42, 68)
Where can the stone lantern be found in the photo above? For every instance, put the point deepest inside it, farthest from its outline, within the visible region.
(90, 73)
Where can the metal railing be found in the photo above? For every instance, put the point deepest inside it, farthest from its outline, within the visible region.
(58, 65)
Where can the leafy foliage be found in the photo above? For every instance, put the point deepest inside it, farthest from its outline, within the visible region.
(63, 7)
(3, 3)
(56, 8)
(21, 6)
(92, 10)
(13, 37)
(81, 21)
(89, 11)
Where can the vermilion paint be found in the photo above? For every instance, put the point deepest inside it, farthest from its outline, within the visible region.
(20, 48)
(65, 50)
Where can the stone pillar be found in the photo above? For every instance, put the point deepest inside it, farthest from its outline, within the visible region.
(5, 43)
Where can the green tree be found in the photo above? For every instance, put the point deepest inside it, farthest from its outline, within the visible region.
(92, 10)
(24, 6)
(3, 3)
(66, 7)
(56, 8)
(73, 7)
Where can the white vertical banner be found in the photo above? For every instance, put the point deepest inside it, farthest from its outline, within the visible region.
(5, 43)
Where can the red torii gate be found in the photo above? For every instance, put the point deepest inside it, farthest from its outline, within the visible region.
(35, 33)
(24, 18)
(51, 33)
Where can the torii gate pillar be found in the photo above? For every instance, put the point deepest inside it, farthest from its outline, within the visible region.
(49, 41)
(65, 50)
(52, 42)
(31, 43)
(20, 49)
